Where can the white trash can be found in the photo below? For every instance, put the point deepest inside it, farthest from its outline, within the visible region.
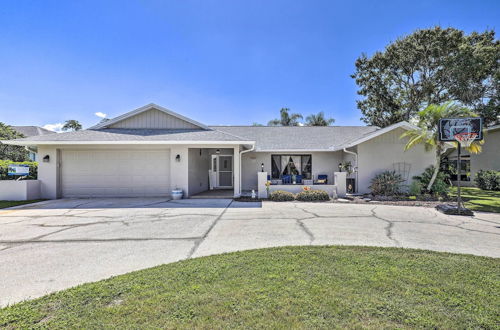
(177, 194)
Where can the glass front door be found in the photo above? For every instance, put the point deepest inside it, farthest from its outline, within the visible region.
(222, 168)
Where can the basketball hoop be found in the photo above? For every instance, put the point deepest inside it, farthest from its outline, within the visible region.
(465, 139)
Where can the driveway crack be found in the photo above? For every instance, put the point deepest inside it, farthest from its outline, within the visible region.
(306, 230)
(200, 240)
(388, 229)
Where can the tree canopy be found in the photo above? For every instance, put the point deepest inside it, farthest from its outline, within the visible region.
(286, 118)
(319, 120)
(430, 66)
(72, 125)
(8, 152)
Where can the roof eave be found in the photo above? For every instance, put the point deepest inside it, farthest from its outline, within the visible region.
(402, 124)
(37, 143)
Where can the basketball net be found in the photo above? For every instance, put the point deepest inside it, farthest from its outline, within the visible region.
(465, 139)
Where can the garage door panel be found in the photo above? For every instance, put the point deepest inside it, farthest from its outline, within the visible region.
(115, 173)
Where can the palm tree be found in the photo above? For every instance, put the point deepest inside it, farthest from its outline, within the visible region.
(319, 120)
(72, 125)
(427, 131)
(287, 119)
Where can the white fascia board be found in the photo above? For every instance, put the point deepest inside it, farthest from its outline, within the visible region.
(402, 124)
(146, 108)
(40, 143)
(293, 150)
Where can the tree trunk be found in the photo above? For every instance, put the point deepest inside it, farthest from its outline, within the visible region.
(436, 169)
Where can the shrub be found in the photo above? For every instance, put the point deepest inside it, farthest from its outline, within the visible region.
(488, 180)
(415, 188)
(281, 196)
(4, 170)
(312, 196)
(440, 186)
(388, 183)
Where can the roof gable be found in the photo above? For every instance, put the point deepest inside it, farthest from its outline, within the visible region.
(151, 116)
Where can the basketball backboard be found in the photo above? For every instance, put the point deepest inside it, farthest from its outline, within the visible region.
(449, 127)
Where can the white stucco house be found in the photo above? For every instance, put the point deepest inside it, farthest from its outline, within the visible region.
(152, 150)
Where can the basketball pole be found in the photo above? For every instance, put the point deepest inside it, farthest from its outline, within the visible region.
(459, 174)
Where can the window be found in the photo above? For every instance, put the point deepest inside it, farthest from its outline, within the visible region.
(464, 168)
(291, 165)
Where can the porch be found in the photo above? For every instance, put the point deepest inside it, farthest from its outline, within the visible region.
(212, 172)
(214, 194)
(335, 188)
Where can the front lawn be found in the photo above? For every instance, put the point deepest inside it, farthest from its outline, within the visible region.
(4, 204)
(290, 287)
(479, 200)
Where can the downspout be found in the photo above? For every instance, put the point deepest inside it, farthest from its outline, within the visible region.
(244, 152)
(356, 160)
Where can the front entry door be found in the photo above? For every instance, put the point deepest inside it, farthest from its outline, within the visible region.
(221, 168)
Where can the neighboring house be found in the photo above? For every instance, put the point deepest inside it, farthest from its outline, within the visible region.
(488, 159)
(152, 150)
(29, 131)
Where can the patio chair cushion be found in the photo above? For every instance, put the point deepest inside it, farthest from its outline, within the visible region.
(287, 179)
(322, 179)
(298, 178)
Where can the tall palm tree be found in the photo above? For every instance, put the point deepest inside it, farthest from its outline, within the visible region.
(72, 125)
(319, 120)
(286, 119)
(428, 135)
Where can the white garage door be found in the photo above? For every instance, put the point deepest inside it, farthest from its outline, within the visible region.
(115, 173)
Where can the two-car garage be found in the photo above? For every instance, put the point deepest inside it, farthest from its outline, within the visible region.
(114, 173)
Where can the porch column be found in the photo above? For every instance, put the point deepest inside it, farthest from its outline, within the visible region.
(340, 183)
(236, 172)
(179, 169)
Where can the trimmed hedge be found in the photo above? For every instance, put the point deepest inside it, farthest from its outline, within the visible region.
(281, 196)
(488, 180)
(4, 170)
(312, 196)
(304, 196)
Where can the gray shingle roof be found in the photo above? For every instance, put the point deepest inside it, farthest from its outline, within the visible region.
(121, 134)
(32, 130)
(266, 137)
(298, 137)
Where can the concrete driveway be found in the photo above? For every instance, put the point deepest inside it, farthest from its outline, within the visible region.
(59, 244)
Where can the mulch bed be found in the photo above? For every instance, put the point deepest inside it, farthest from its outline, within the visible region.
(400, 201)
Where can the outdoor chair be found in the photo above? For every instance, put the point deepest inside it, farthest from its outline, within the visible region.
(322, 179)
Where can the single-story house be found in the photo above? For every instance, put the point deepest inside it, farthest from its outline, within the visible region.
(488, 159)
(152, 150)
(29, 131)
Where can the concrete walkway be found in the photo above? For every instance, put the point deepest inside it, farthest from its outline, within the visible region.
(59, 244)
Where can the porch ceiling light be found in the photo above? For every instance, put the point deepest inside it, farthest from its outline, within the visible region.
(217, 151)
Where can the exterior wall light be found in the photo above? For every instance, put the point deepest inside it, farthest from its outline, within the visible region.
(262, 167)
(178, 158)
(217, 151)
(340, 167)
(46, 159)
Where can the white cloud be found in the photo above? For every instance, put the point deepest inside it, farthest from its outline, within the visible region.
(54, 127)
(100, 115)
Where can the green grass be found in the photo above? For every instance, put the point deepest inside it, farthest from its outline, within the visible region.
(4, 204)
(290, 287)
(479, 200)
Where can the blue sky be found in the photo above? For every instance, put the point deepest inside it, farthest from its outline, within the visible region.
(218, 62)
